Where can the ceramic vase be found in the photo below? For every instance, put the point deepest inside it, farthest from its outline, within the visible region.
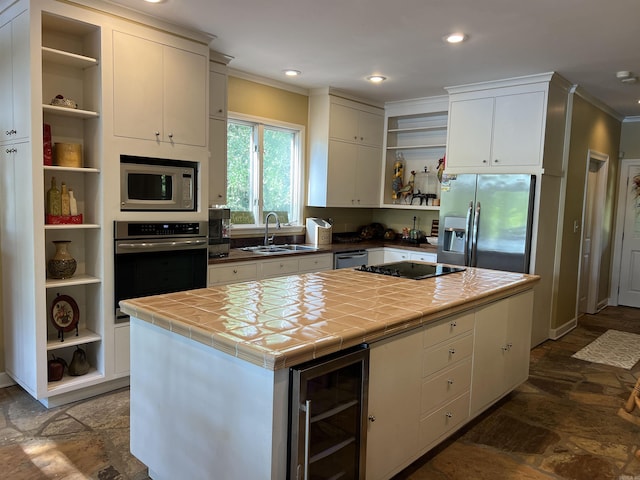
(62, 264)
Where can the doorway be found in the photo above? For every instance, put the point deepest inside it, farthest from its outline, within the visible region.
(628, 238)
(592, 298)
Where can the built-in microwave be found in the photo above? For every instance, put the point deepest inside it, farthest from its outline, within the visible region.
(157, 184)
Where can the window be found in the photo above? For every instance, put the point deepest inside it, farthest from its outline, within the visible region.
(264, 170)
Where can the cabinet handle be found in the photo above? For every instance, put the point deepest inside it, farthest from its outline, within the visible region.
(307, 438)
(452, 351)
(11, 150)
(495, 160)
(505, 348)
(509, 345)
(448, 415)
(453, 324)
(235, 270)
(171, 135)
(372, 418)
(220, 110)
(484, 161)
(355, 137)
(450, 381)
(11, 132)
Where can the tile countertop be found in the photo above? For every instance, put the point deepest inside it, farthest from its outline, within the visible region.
(280, 322)
(238, 255)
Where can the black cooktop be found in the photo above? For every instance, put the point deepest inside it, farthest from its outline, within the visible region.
(412, 270)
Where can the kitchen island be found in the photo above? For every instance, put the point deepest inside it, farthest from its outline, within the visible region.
(209, 367)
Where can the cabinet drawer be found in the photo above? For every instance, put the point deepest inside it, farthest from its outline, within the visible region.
(276, 268)
(445, 386)
(448, 353)
(237, 272)
(448, 329)
(315, 263)
(444, 420)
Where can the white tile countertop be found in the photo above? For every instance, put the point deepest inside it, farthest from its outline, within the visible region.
(280, 322)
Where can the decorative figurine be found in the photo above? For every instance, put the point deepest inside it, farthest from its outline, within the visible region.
(398, 174)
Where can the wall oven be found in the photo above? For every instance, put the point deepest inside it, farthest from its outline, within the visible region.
(158, 257)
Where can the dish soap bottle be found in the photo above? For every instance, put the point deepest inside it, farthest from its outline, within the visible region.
(54, 199)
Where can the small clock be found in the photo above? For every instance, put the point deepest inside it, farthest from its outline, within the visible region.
(64, 315)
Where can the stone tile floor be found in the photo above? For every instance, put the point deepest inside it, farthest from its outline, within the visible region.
(561, 424)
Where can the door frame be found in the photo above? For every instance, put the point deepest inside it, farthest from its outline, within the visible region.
(619, 227)
(597, 234)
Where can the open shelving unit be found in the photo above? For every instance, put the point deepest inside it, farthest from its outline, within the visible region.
(415, 134)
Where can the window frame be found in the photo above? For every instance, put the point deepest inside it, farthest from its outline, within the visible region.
(295, 225)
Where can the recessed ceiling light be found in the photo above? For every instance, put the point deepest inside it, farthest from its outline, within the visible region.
(154, 1)
(376, 78)
(456, 37)
(292, 73)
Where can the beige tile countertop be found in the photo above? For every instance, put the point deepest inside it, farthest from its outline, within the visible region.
(280, 322)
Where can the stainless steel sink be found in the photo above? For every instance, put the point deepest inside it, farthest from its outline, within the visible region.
(278, 249)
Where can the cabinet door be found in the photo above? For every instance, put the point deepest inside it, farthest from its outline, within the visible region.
(518, 129)
(469, 134)
(343, 123)
(341, 174)
(424, 257)
(489, 355)
(14, 69)
(394, 404)
(217, 95)
(218, 161)
(185, 89)
(6, 82)
(395, 255)
(367, 177)
(370, 128)
(519, 339)
(137, 87)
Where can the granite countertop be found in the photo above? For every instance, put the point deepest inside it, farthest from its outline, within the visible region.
(279, 322)
(238, 255)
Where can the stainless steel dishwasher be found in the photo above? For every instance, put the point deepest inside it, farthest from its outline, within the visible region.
(352, 258)
(328, 416)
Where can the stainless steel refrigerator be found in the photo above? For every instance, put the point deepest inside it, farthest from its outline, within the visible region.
(485, 221)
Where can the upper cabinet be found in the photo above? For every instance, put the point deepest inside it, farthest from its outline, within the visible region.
(415, 141)
(346, 139)
(498, 127)
(159, 91)
(14, 74)
(217, 133)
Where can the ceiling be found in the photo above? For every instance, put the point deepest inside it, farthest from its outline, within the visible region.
(338, 43)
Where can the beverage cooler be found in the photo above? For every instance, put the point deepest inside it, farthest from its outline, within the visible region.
(327, 416)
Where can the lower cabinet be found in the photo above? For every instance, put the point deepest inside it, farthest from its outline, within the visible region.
(225, 273)
(426, 383)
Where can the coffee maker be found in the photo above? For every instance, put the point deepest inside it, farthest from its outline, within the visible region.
(219, 232)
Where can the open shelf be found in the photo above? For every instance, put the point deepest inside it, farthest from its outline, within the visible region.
(70, 383)
(69, 59)
(69, 112)
(80, 279)
(71, 340)
(72, 169)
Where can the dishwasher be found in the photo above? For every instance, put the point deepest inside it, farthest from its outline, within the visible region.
(352, 258)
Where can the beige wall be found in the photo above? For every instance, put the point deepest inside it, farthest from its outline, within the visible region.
(630, 140)
(260, 100)
(592, 129)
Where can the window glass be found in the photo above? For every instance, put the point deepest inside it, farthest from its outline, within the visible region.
(263, 172)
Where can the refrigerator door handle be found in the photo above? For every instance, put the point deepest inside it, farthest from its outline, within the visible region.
(467, 236)
(474, 239)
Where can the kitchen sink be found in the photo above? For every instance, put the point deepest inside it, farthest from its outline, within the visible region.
(278, 249)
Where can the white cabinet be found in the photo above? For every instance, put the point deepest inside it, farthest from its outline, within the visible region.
(159, 91)
(375, 256)
(14, 69)
(395, 255)
(217, 90)
(234, 272)
(424, 257)
(217, 134)
(418, 385)
(498, 130)
(345, 138)
(416, 135)
(394, 404)
(502, 345)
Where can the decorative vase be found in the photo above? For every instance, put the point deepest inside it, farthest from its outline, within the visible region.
(62, 265)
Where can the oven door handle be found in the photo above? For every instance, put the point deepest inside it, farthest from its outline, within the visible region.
(172, 245)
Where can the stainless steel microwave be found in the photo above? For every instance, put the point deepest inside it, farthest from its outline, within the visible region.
(157, 184)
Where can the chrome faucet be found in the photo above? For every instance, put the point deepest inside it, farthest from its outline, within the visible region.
(267, 240)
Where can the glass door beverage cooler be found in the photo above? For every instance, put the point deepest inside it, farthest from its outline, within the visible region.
(327, 417)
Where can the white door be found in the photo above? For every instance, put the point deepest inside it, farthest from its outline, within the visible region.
(585, 267)
(630, 259)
